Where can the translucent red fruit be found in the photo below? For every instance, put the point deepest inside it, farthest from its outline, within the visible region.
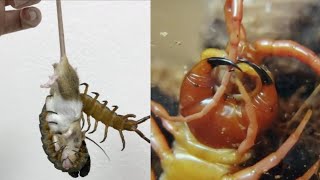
(225, 126)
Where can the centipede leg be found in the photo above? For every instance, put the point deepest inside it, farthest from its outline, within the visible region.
(252, 130)
(233, 14)
(255, 171)
(105, 134)
(104, 103)
(83, 121)
(122, 139)
(313, 170)
(283, 48)
(86, 88)
(96, 95)
(114, 108)
(95, 127)
(159, 143)
(130, 116)
(89, 123)
(142, 135)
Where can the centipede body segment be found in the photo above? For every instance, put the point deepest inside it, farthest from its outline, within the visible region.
(101, 113)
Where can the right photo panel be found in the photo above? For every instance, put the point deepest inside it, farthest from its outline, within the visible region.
(235, 89)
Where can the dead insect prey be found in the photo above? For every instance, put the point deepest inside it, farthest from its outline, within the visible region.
(60, 120)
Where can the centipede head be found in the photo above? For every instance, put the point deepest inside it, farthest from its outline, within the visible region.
(228, 121)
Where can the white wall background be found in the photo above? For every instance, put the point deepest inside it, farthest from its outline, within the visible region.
(108, 42)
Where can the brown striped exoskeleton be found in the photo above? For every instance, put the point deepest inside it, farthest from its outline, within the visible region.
(100, 112)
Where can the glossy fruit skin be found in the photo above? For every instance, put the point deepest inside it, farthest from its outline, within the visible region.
(225, 126)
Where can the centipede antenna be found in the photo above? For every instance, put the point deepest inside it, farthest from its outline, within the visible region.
(264, 76)
(61, 31)
(143, 119)
(217, 61)
(99, 147)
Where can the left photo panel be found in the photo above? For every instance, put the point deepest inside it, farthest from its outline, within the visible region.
(75, 89)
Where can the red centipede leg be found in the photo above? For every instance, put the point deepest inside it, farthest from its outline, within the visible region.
(255, 171)
(233, 10)
(313, 170)
(267, 47)
(252, 129)
(159, 111)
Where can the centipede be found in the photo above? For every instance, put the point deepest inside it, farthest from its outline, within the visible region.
(101, 113)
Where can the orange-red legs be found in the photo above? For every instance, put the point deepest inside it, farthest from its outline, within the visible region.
(283, 48)
(255, 171)
(233, 10)
(252, 130)
(313, 170)
(158, 141)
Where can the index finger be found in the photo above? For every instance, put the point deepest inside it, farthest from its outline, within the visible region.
(17, 4)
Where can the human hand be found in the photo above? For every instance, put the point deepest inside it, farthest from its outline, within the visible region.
(23, 18)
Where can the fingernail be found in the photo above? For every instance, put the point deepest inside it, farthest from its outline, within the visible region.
(30, 16)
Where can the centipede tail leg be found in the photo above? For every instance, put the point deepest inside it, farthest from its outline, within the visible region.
(105, 134)
(122, 139)
(95, 127)
(142, 135)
